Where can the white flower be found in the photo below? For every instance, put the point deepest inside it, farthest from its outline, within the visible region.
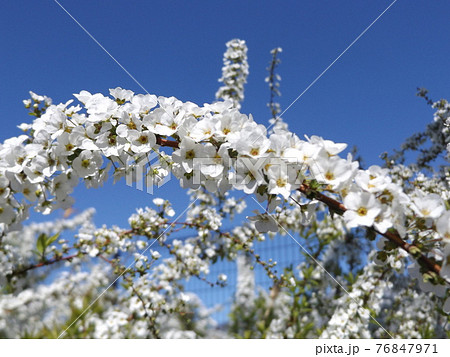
(308, 212)
(13, 154)
(362, 209)
(158, 201)
(428, 206)
(185, 297)
(160, 122)
(204, 129)
(31, 191)
(189, 150)
(302, 152)
(121, 95)
(144, 102)
(443, 226)
(128, 122)
(37, 168)
(253, 142)
(67, 143)
(169, 211)
(330, 147)
(93, 251)
(98, 106)
(374, 179)
(155, 255)
(264, 222)
(213, 162)
(87, 163)
(53, 121)
(25, 126)
(110, 144)
(248, 174)
(140, 244)
(4, 187)
(141, 142)
(334, 170)
(280, 178)
(383, 221)
(62, 186)
(94, 130)
(279, 143)
(7, 213)
(230, 124)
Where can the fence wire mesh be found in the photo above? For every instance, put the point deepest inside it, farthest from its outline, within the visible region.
(282, 250)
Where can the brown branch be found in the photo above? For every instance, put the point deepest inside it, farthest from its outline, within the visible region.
(394, 237)
(53, 261)
(165, 142)
(44, 263)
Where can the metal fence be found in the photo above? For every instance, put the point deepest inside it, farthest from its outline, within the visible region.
(282, 249)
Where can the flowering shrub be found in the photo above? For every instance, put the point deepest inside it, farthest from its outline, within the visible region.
(212, 150)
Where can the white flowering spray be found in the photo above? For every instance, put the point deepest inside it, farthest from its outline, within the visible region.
(212, 150)
(234, 72)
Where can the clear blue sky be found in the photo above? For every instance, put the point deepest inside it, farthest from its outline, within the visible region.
(175, 48)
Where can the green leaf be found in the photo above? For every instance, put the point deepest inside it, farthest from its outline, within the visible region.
(44, 241)
(51, 239)
(40, 244)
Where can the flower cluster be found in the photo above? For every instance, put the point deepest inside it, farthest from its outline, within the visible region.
(151, 285)
(215, 146)
(273, 80)
(234, 72)
(212, 150)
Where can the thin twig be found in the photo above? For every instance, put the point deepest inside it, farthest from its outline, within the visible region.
(151, 326)
(44, 263)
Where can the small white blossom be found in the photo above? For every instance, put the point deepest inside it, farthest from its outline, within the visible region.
(362, 209)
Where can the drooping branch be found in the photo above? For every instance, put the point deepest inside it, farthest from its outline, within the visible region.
(339, 208)
(394, 237)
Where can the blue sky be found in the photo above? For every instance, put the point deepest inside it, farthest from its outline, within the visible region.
(175, 48)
